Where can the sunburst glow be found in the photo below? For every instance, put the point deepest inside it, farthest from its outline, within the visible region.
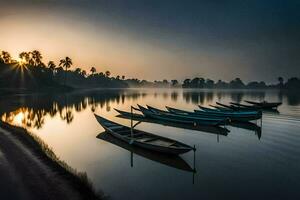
(21, 62)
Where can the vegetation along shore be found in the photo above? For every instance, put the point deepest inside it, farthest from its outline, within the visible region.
(28, 73)
(33, 171)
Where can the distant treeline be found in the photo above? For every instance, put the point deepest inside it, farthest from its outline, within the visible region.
(292, 83)
(29, 72)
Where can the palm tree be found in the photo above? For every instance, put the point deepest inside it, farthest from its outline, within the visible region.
(93, 70)
(31, 59)
(51, 65)
(107, 73)
(67, 63)
(5, 57)
(123, 77)
(25, 56)
(36, 57)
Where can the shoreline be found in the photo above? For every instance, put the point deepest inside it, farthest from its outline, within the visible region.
(37, 167)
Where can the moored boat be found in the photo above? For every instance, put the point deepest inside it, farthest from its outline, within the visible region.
(168, 116)
(265, 104)
(141, 118)
(229, 107)
(233, 116)
(143, 139)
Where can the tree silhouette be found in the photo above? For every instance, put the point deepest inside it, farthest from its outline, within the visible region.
(51, 65)
(174, 82)
(77, 70)
(280, 79)
(210, 83)
(5, 57)
(195, 83)
(25, 56)
(93, 70)
(107, 73)
(123, 77)
(83, 73)
(66, 63)
(36, 57)
(186, 83)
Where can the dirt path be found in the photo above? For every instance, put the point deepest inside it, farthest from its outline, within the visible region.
(24, 176)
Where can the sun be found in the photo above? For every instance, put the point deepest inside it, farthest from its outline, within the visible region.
(21, 62)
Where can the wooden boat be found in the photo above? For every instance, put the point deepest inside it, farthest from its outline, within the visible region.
(243, 107)
(231, 112)
(168, 116)
(208, 109)
(229, 107)
(264, 104)
(178, 111)
(139, 117)
(143, 139)
(233, 116)
(168, 160)
(220, 108)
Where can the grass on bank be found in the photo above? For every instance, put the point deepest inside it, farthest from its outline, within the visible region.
(78, 180)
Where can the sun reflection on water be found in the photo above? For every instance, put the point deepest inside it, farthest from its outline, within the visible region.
(17, 117)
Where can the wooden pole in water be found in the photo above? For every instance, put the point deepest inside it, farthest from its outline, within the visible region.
(131, 123)
(194, 164)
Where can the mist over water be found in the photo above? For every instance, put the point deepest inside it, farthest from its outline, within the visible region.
(252, 162)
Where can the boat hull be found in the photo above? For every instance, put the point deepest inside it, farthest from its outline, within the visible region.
(167, 116)
(219, 114)
(152, 147)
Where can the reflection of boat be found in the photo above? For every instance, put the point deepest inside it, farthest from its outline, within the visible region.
(248, 126)
(265, 104)
(143, 139)
(142, 118)
(220, 114)
(172, 161)
(167, 116)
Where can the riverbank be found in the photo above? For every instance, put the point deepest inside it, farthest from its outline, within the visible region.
(29, 169)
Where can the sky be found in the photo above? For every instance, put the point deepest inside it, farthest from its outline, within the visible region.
(160, 39)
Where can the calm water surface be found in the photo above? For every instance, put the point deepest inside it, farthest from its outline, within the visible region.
(247, 163)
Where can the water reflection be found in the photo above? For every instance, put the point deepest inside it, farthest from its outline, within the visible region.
(171, 161)
(67, 124)
(248, 126)
(293, 98)
(30, 111)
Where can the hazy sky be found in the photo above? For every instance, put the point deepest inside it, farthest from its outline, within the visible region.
(156, 39)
